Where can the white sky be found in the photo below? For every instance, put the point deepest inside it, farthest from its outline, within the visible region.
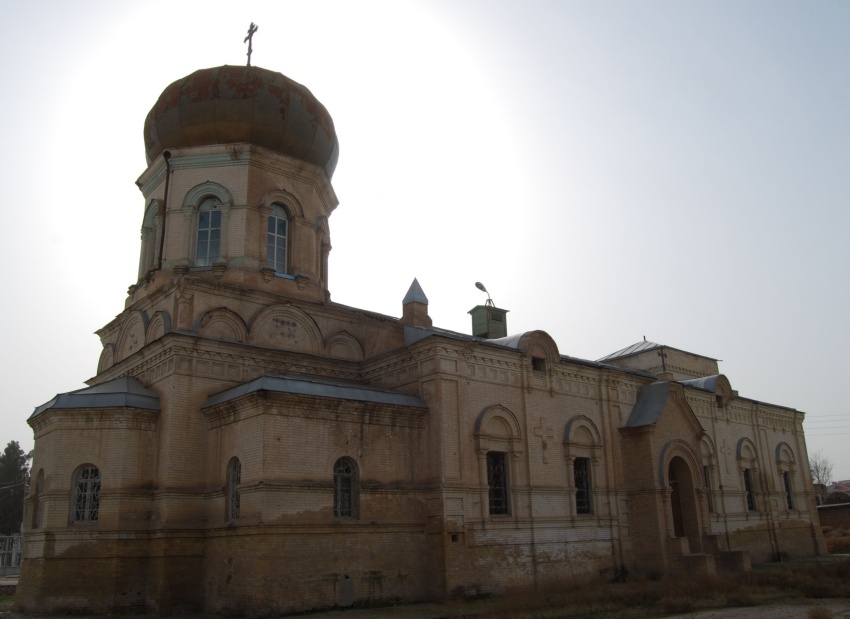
(610, 170)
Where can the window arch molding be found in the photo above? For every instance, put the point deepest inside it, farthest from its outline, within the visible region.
(786, 466)
(748, 469)
(498, 439)
(209, 189)
(280, 213)
(346, 475)
(193, 203)
(583, 451)
(85, 494)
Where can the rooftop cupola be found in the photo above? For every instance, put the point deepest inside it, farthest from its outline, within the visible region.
(238, 185)
(488, 321)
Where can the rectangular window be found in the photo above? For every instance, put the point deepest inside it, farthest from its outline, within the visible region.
(748, 487)
(497, 481)
(209, 237)
(706, 476)
(581, 469)
(789, 496)
(538, 364)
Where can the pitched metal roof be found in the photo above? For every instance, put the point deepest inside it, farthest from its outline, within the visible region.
(415, 294)
(124, 392)
(650, 404)
(319, 387)
(631, 350)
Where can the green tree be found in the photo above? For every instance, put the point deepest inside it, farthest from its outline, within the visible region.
(14, 475)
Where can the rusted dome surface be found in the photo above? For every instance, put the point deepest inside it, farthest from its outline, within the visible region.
(228, 104)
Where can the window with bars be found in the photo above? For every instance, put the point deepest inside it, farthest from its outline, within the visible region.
(789, 495)
(234, 500)
(497, 482)
(208, 240)
(581, 474)
(748, 488)
(86, 498)
(276, 239)
(345, 488)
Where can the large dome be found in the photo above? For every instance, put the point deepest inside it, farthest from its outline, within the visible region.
(228, 104)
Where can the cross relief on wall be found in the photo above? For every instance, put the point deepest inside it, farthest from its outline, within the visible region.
(544, 432)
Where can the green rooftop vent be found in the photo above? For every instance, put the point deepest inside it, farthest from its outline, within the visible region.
(488, 321)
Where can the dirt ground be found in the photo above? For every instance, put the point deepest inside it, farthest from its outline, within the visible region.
(788, 610)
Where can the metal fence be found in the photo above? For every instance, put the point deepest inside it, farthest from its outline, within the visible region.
(10, 555)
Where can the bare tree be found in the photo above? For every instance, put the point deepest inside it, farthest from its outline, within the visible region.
(821, 468)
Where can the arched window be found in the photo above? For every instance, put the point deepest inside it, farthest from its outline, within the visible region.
(581, 473)
(277, 235)
(497, 482)
(37, 508)
(345, 488)
(85, 503)
(234, 478)
(209, 232)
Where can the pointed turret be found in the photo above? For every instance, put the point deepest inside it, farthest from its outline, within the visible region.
(415, 307)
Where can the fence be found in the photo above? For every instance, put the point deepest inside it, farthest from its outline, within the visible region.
(10, 555)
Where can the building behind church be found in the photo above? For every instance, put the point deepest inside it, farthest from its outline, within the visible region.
(249, 446)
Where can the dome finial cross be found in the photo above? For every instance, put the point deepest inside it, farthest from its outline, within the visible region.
(250, 39)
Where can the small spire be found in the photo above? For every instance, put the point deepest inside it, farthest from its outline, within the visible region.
(415, 294)
(415, 307)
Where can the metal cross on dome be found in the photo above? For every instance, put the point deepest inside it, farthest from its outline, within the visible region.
(250, 39)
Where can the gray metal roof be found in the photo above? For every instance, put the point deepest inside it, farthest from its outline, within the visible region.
(319, 387)
(650, 404)
(706, 383)
(631, 350)
(124, 392)
(415, 294)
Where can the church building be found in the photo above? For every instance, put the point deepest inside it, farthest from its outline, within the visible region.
(249, 446)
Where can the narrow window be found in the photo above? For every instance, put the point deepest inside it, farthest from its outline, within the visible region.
(706, 477)
(37, 501)
(345, 489)
(276, 247)
(234, 478)
(538, 364)
(497, 480)
(581, 468)
(748, 487)
(86, 499)
(789, 495)
(209, 232)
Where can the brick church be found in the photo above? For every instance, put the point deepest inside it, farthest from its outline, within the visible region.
(249, 446)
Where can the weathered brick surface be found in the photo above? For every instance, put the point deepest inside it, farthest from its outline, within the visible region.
(164, 541)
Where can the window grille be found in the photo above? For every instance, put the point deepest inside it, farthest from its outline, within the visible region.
(234, 478)
(581, 469)
(789, 497)
(345, 489)
(497, 480)
(86, 494)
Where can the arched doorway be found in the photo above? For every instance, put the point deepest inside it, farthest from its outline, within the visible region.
(683, 503)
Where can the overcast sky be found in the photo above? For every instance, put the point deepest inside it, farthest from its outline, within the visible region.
(609, 170)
